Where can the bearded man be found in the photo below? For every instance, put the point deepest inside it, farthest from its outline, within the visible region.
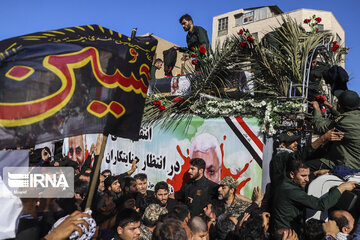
(236, 205)
(197, 192)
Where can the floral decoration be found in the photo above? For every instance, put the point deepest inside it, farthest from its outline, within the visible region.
(202, 50)
(335, 46)
(243, 44)
(250, 39)
(313, 22)
(272, 68)
(269, 111)
(246, 38)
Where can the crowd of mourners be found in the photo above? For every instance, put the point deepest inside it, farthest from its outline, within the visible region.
(124, 208)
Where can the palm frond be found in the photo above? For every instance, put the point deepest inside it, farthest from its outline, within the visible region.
(278, 59)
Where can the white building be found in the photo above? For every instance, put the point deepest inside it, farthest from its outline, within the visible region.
(261, 20)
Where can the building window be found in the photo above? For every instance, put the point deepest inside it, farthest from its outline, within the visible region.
(238, 19)
(223, 26)
(248, 17)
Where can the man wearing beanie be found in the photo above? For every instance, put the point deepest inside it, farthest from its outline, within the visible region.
(345, 152)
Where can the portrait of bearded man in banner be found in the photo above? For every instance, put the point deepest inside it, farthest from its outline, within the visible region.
(76, 149)
(207, 147)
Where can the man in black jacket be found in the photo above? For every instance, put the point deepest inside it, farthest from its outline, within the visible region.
(199, 190)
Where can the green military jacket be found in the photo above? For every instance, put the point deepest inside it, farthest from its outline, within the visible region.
(198, 37)
(347, 151)
(290, 202)
(278, 162)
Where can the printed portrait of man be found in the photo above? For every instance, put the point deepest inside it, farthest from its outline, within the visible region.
(76, 149)
(207, 147)
(180, 86)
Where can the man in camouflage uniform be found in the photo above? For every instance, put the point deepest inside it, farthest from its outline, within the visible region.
(235, 205)
(150, 219)
(146, 233)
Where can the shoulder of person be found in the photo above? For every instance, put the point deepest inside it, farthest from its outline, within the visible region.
(287, 185)
(199, 28)
(208, 181)
(281, 154)
(350, 114)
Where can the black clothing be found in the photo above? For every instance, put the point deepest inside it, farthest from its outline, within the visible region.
(28, 228)
(315, 76)
(33, 229)
(171, 203)
(201, 191)
(116, 237)
(88, 163)
(337, 77)
(142, 201)
(170, 56)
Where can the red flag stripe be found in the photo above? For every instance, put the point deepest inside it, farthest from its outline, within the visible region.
(250, 133)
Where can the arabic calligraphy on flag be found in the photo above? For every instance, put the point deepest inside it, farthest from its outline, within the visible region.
(72, 81)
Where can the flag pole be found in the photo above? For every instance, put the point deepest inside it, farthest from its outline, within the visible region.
(96, 173)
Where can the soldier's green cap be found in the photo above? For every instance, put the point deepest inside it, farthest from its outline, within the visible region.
(349, 100)
(229, 181)
(288, 136)
(153, 212)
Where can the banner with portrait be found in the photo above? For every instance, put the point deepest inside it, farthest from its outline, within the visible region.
(230, 146)
(79, 148)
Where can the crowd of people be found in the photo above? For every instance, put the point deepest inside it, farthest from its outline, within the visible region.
(124, 208)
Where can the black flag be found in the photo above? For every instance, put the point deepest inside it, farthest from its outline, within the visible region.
(71, 81)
